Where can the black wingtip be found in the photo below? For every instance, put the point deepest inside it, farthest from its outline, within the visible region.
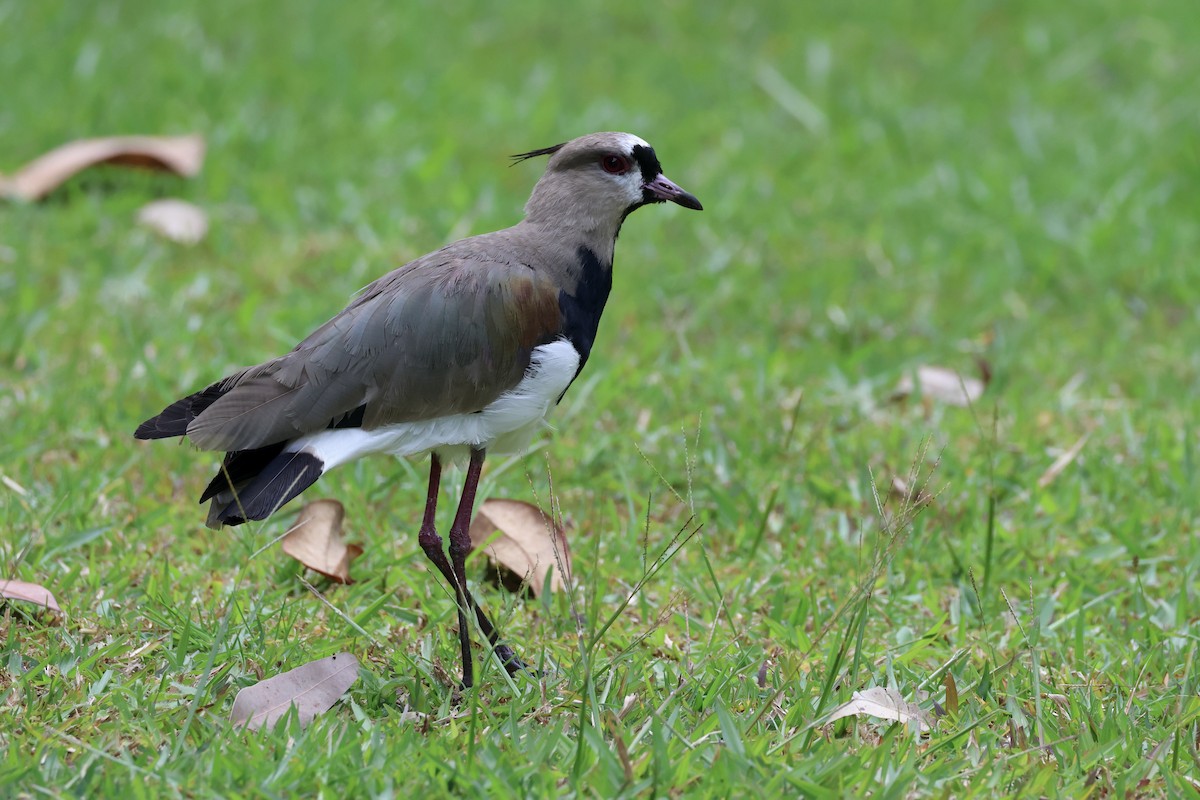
(545, 151)
(148, 430)
(174, 419)
(171, 422)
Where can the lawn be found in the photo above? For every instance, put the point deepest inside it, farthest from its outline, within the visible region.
(760, 525)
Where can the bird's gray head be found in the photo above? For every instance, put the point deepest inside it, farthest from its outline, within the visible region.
(595, 181)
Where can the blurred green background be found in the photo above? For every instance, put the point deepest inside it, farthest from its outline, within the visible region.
(886, 185)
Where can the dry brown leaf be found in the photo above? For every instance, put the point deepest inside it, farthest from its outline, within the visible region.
(1062, 462)
(941, 384)
(882, 703)
(177, 220)
(529, 544)
(951, 693)
(30, 593)
(316, 540)
(906, 493)
(312, 688)
(182, 155)
(13, 485)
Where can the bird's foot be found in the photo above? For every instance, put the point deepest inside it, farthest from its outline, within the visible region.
(512, 662)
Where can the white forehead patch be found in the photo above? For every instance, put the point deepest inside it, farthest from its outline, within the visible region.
(629, 141)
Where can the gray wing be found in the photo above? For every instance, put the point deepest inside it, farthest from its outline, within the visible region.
(446, 334)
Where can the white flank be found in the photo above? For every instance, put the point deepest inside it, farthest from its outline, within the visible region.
(504, 426)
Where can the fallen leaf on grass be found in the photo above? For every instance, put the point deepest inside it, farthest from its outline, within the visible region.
(951, 693)
(882, 703)
(529, 544)
(941, 384)
(13, 485)
(177, 220)
(1062, 462)
(182, 155)
(906, 493)
(316, 540)
(30, 593)
(312, 688)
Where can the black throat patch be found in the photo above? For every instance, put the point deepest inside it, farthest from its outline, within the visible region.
(581, 311)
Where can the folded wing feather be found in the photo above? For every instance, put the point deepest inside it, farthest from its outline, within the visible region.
(443, 335)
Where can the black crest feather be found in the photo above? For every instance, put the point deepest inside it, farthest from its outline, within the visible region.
(545, 151)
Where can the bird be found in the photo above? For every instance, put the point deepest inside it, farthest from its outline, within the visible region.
(459, 353)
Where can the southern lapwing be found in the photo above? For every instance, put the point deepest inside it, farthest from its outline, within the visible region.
(460, 352)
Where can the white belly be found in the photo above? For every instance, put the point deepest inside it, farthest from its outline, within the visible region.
(504, 426)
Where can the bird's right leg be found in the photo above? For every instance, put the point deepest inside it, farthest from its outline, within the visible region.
(432, 544)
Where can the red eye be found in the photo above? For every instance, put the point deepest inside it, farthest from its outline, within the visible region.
(616, 165)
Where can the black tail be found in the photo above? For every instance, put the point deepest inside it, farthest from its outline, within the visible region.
(259, 494)
(252, 484)
(239, 468)
(175, 418)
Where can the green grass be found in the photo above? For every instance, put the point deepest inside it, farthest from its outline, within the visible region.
(886, 185)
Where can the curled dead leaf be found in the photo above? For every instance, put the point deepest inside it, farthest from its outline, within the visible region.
(529, 544)
(30, 593)
(181, 155)
(312, 688)
(177, 220)
(941, 384)
(902, 490)
(951, 693)
(13, 485)
(316, 540)
(883, 703)
(1064, 460)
